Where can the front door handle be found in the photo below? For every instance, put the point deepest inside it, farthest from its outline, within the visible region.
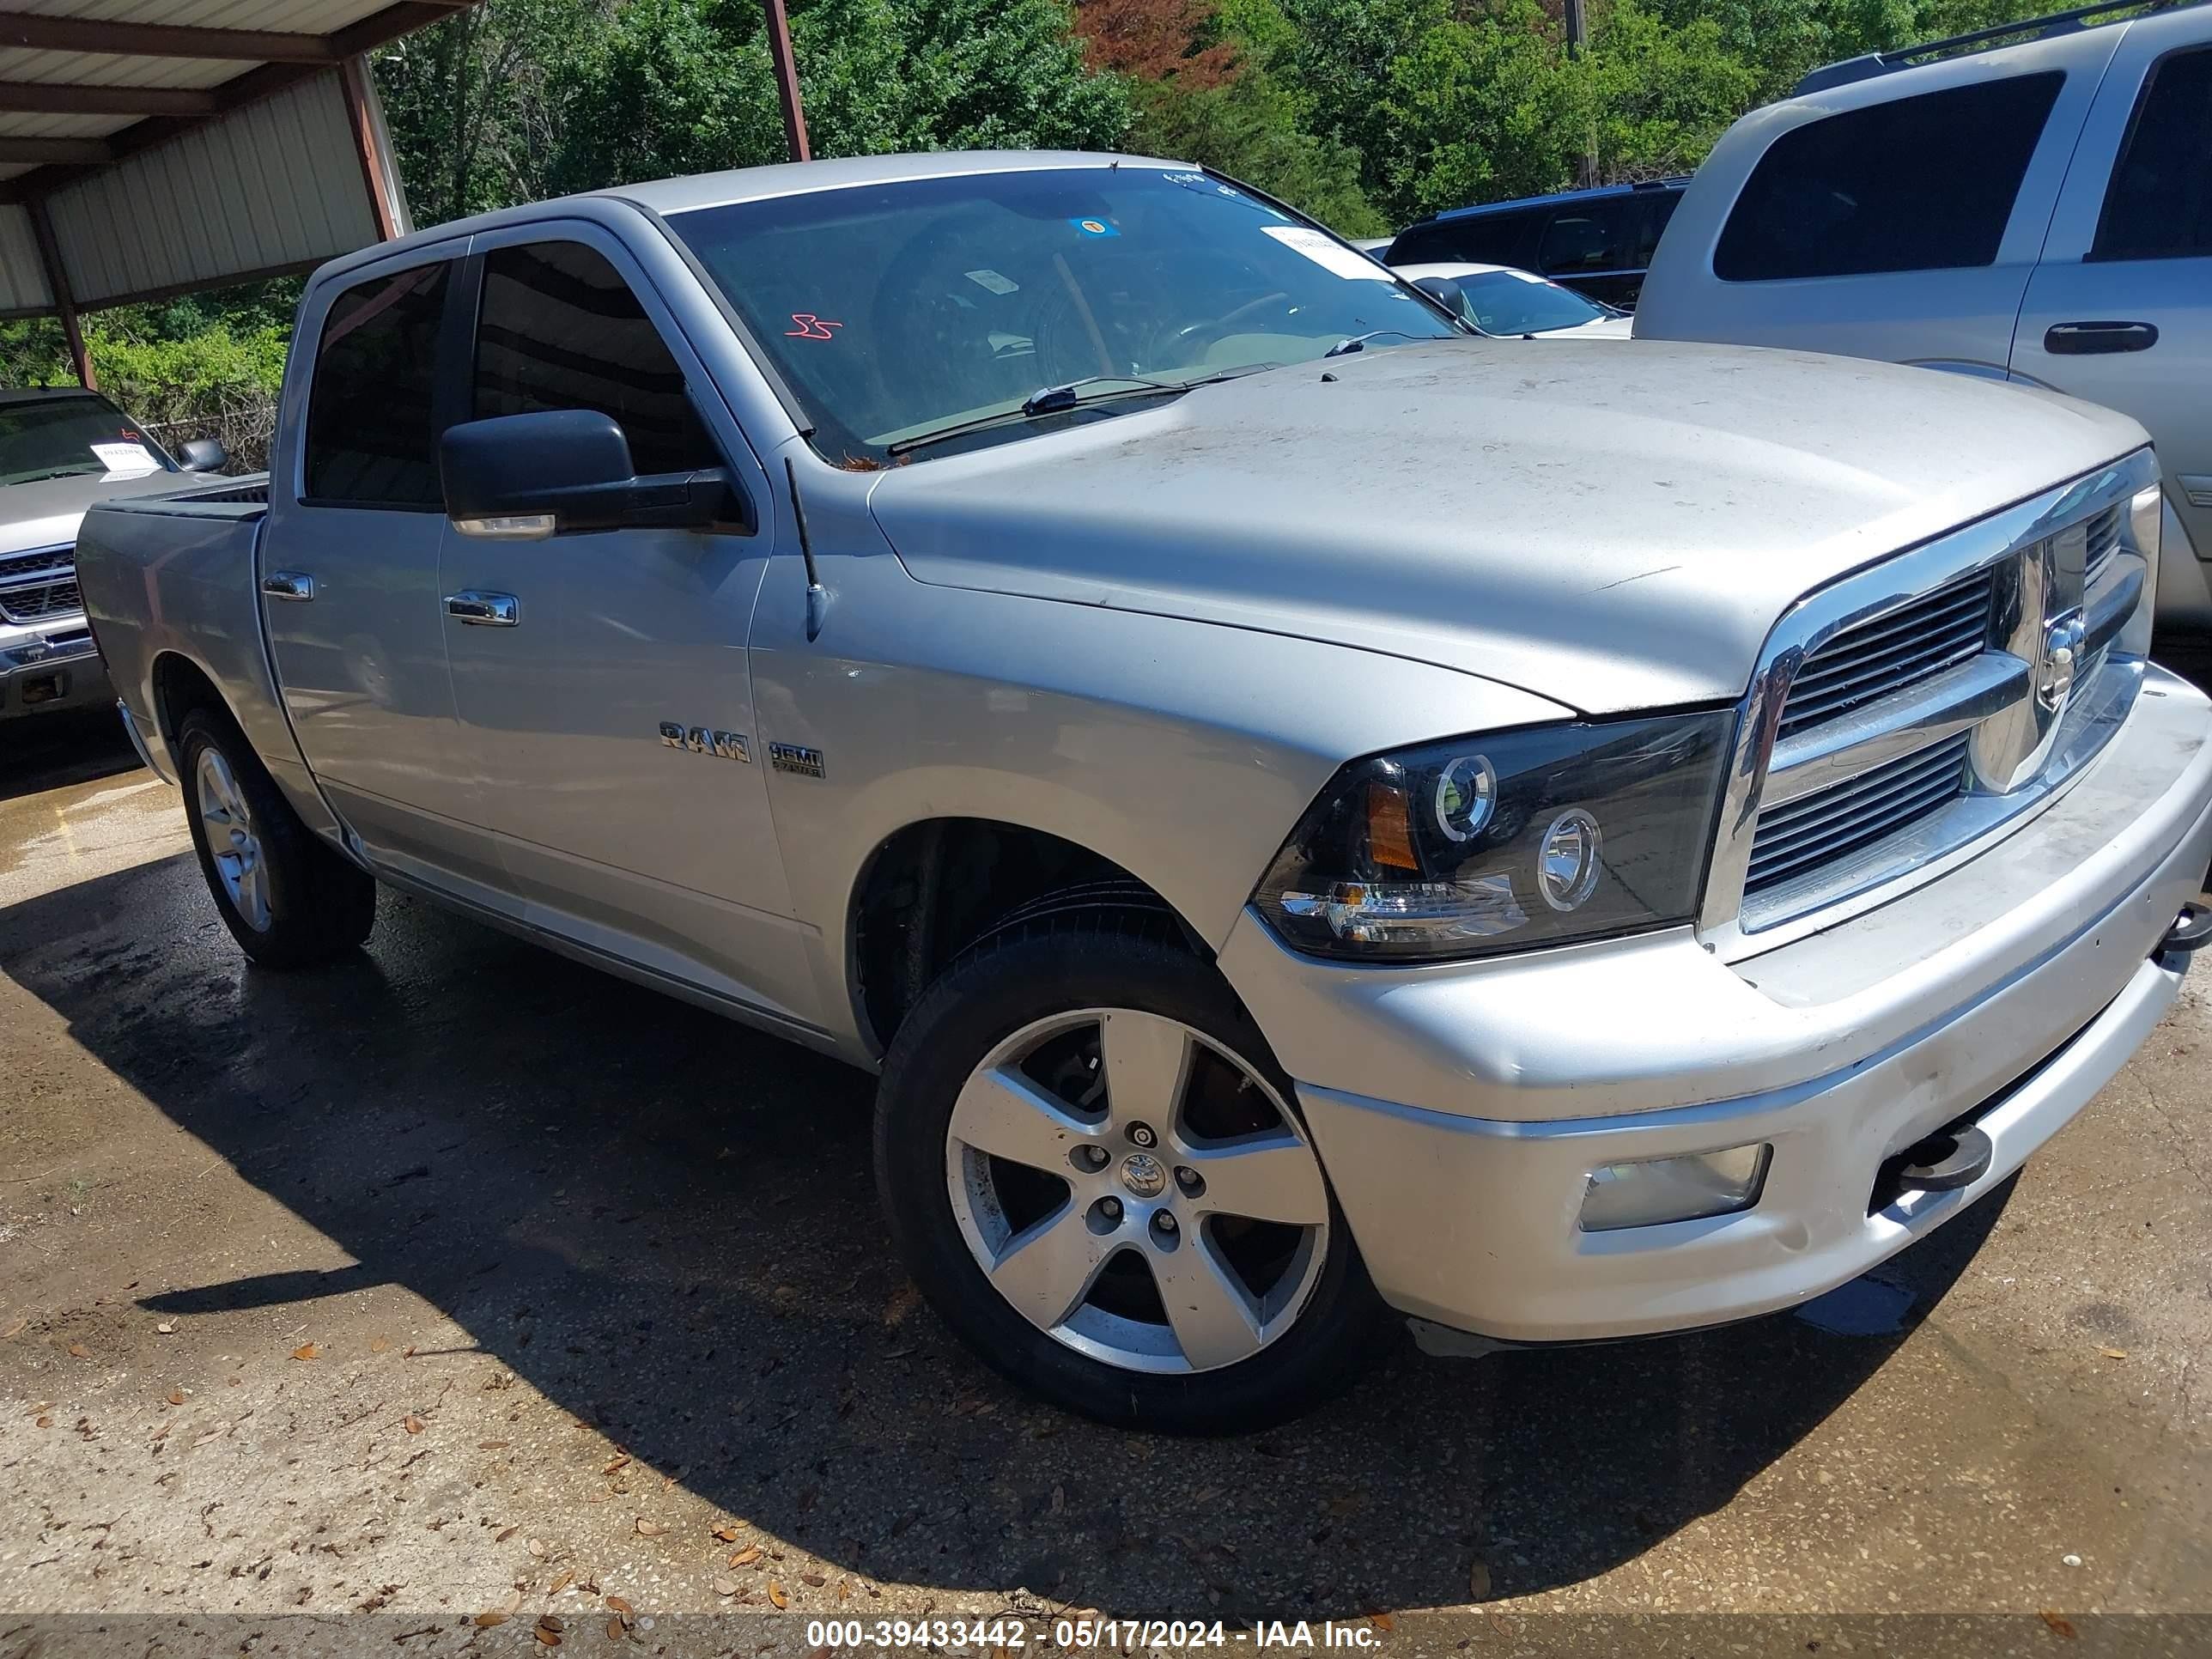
(480, 610)
(2086, 339)
(288, 585)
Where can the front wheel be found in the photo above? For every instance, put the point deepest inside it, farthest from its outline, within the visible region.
(288, 899)
(1096, 1173)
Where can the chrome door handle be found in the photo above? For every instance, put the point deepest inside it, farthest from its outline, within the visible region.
(480, 610)
(288, 585)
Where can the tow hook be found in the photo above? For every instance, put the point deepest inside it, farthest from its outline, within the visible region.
(1944, 1163)
(2191, 930)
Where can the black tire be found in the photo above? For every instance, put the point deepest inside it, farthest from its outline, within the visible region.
(320, 906)
(1026, 973)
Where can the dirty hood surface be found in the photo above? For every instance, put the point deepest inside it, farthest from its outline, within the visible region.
(42, 513)
(1612, 525)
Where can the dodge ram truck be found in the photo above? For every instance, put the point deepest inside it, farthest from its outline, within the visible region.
(1315, 818)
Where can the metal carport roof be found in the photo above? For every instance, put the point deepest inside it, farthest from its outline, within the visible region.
(152, 147)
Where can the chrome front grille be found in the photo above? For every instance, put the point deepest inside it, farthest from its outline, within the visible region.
(1901, 715)
(37, 586)
(1916, 642)
(1836, 821)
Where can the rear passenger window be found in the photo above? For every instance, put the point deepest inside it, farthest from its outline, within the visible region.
(371, 438)
(1918, 184)
(1487, 238)
(560, 329)
(1594, 237)
(2158, 205)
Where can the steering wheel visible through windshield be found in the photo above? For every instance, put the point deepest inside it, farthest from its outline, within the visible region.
(898, 310)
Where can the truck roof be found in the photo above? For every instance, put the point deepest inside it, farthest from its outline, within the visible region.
(1596, 193)
(705, 190)
(33, 394)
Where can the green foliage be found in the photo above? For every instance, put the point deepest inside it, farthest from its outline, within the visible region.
(1250, 128)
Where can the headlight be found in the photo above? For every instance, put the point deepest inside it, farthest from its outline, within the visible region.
(1486, 844)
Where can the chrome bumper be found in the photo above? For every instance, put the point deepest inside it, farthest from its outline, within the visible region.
(71, 675)
(1460, 1110)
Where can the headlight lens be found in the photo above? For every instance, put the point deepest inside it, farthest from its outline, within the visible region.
(1482, 845)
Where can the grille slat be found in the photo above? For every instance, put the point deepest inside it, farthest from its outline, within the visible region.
(40, 584)
(1914, 642)
(2104, 538)
(1832, 822)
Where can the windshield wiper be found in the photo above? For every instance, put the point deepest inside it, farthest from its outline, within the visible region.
(59, 472)
(1358, 342)
(1059, 400)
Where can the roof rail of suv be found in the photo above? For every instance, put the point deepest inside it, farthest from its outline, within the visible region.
(1869, 65)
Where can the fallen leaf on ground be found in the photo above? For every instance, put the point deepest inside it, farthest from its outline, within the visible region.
(550, 1638)
(616, 1603)
(1382, 1622)
(537, 1546)
(2113, 1353)
(727, 1534)
(551, 1621)
(561, 1583)
(617, 1464)
(776, 1595)
(166, 1328)
(746, 1557)
(2060, 1626)
(614, 1632)
(492, 1445)
(724, 1586)
(46, 1422)
(379, 1344)
(411, 1423)
(648, 1528)
(485, 1621)
(307, 1350)
(78, 1350)
(14, 1327)
(176, 1396)
(814, 1578)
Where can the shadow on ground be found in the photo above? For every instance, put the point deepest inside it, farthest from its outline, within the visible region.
(667, 1225)
(48, 751)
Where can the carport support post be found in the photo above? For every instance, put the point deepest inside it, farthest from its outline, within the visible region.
(50, 256)
(786, 81)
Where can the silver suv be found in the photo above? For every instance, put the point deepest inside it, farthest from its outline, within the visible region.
(2041, 213)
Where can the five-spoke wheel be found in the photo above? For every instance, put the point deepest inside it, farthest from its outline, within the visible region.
(228, 823)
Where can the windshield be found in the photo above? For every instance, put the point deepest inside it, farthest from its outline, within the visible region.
(1515, 302)
(55, 437)
(894, 310)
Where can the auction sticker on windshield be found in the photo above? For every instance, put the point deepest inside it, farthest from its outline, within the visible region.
(125, 458)
(1327, 253)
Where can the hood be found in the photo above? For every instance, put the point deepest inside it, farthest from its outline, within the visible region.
(1598, 328)
(1611, 527)
(42, 513)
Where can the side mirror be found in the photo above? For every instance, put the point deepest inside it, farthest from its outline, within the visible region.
(1446, 293)
(522, 478)
(202, 455)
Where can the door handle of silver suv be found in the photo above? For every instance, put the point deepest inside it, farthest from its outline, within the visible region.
(2086, 339)
(481, 610)
(288, 585)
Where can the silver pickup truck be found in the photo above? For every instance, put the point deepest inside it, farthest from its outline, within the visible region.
(62, 449)
(1312, 815)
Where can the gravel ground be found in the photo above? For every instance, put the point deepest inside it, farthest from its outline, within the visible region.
(461, 1280)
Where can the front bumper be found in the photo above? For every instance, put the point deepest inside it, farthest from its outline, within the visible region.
(44, 671)
(1460, 1110)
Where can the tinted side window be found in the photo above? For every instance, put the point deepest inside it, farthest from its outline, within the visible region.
(560, 329)
(2159, 204)
(372, 440)
(1591, 236)
(1919, 184)
(1489, 239)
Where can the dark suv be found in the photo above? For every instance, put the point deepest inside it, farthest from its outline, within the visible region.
(1599, 243)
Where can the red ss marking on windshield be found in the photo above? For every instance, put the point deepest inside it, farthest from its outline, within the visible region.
(811, 327)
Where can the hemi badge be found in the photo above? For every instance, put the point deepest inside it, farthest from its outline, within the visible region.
(790, 758)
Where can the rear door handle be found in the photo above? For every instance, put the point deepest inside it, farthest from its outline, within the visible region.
(481, 610)
(2084, 339)
(288, 585)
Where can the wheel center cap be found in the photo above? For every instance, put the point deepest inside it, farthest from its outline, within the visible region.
(1144, 1175)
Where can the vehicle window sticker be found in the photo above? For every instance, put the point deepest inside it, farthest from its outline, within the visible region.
(811, 327)
(1327, 252)
(1094, 228)
(993, 281)
(124, 460)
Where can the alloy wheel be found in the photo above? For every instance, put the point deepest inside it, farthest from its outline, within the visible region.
(232, 844)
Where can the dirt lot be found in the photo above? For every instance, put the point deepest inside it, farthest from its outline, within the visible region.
(461, 1279)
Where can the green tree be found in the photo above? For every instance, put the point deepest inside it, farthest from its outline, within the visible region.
(1250, 128)
(684, 86)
